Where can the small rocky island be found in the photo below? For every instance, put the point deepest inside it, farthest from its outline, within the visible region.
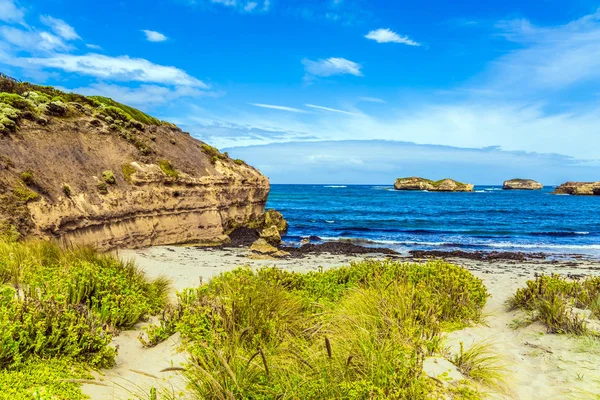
(579, 188)
(443, 185)
(522, 184)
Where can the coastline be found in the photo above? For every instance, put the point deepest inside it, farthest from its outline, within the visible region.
(539, 365)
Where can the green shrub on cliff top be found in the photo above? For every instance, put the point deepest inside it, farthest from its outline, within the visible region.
(357, 332)
(213, 153)
(124, 110)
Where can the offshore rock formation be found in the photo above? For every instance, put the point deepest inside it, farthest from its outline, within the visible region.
(90, 170)
(579, 188)
(522, 184)
(444, 185)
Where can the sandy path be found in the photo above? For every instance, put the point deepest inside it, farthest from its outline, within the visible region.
(540, 366)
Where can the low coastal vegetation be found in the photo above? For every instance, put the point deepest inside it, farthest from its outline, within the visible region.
(562, 305)
(357, 332)
(59, 309)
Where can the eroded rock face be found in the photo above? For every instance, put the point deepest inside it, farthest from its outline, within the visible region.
(166, 187)
(444, 185)
(522, 184)
(579, 188)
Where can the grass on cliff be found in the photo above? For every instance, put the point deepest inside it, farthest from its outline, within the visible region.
(551, 299)
(357, 332)
(59, 308)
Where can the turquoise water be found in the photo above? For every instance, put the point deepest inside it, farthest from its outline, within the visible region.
(488, 219)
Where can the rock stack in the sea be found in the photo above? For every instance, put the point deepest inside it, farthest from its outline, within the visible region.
(522, 184)
(579, 188)
(444, 185)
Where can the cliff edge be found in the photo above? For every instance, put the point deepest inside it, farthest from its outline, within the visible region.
(91, 170)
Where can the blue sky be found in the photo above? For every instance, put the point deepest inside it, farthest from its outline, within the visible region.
(523, 77)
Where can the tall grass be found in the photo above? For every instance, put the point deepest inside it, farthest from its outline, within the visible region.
(64, 304)
(550, 299)
(357, 332)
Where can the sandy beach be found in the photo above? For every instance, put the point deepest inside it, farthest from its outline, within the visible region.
(538, 365)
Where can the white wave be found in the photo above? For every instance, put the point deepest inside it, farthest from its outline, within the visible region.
(330, 222)
(581, 233)
(504, 245)
(333, 186)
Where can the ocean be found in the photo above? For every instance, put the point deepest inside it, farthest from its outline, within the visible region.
(489, 219)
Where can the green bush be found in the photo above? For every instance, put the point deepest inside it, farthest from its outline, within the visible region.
(213, 153)
(109, 177)
(357, 332)
(550, 299)
(239, 162)
(16, 101)
(128, 171)
(131, 112)
(167, 169)
(102, 188)
(67, 190)
(27, 178)
(24, 194)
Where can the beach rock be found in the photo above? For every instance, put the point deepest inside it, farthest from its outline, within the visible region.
(443, 185)
(160, 193)
(522, 184)
(271, 235)
(262, 250)
(579, 188)
(274, 217)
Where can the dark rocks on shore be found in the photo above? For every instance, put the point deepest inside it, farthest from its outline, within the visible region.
(522, 184)
(478, 255)
(336, 248)
(579, 188)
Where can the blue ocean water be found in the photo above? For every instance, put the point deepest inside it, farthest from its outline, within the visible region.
(489, 219)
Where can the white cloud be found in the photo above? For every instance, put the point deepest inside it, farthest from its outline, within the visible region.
(93, 46)
(10, 12)
(280, 108)
(332, 66)
(372, 100)
(121, 68)
(550, 59)
(32, 41)
(60, 27)
(144, 95)
(330, 109)
(389, 36)
(250, 6)
(153, 36)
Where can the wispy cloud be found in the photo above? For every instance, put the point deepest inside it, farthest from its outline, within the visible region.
(32, 40)
(153, 36)
(372, 100)
(389, 36)
(123, 68)
(280, 108)
(60, 27)
(246, 6)
(331, 66)
(93, 46)
(335, 110)
(11, 12)
(144, 96)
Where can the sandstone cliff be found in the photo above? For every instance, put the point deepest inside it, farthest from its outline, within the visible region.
(522, 184)
(444, 185)
(579, 188)
(90, 170)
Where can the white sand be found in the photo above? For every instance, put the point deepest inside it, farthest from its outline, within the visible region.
(539, 365)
